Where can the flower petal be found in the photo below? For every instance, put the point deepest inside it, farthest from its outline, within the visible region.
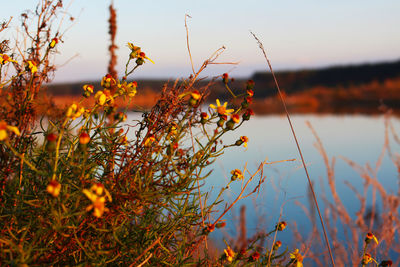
(13, 129)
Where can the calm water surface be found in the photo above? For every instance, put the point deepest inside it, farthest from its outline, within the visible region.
(359, 138)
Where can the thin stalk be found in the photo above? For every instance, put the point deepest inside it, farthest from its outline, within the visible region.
(22, 157)
(298, 148)
(198, 187)
(58, 149)
(230, 91)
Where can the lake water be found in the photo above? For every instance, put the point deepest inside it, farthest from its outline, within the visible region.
(359, 138)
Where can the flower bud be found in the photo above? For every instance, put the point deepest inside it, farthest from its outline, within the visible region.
(250, 93)
(204, 117)
(139, 61)
(221, 122)
(229, 125)
(195, 95)
(280, 226)
(236, 174)
(54, 188)
(108, 81)
(277, 245)
(84, 138)
(366, 259)
(255, 256)
(246, 116)
(87, 90)
(53, 42)
(193, 102)
(369, 237)
(220, 225)
(250, 85)
(51, 142)
(225, 78)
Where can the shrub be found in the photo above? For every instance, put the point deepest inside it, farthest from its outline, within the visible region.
(76, 190)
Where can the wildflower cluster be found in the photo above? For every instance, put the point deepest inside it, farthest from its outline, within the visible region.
(99, 196)
(366, 257)
(255, 255)
(90, 186)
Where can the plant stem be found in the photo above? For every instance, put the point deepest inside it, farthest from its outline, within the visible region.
(298, 148)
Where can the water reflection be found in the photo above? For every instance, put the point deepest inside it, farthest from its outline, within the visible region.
(358, 138)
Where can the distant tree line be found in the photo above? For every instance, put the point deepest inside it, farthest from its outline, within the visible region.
(334, 77)
(290, 81)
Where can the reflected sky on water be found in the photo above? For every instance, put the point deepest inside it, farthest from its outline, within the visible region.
(358, 138)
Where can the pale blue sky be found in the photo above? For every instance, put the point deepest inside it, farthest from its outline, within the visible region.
(296, 34)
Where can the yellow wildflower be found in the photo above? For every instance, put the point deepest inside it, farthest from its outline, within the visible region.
(237, 174)
(370, 236)
(277, 245)
(53, 42)
(98, 188)
(98, 195)
(141, 57)
(74, 111)
(297, 258)
(100, 98)
(229, 253)
(32, 66)
(195, 95)
(108, 81)
(150, 140)
(54, 188)
(173, 129)
(88, 88)
(5, 59)
(244, 140)
(280, 226)
(235, 118)
(5, 128)
(131, 89)
(221, 109)
(135, 50)
(104, 97)
(366, 259)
